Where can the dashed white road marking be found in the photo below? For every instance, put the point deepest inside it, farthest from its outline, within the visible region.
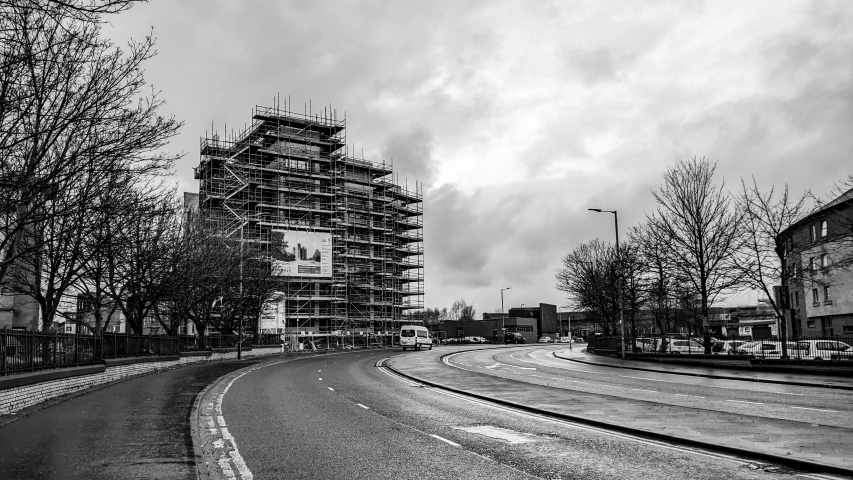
(330, 388)
(445, 440)
(744, 401)
(363, 406)
(321, 379)
(816, 409)
(498, 433)
(641, 390)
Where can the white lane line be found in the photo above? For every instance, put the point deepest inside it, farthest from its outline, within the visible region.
(330, 388)
(681, 395)
(641, 390)
(363, 406)
(445, 440)
(816, 409)
(490, 366)
(744, 401)
(321, 379)
(789, 393)
(652, 379)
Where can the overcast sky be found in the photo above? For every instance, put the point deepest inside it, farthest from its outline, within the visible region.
(518, 116)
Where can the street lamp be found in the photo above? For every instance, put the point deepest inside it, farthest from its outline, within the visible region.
(619, 276)
(503, 319)
(502, 299)
(571, 338)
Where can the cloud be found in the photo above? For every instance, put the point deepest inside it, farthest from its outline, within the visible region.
(519, 116)
(410, 153)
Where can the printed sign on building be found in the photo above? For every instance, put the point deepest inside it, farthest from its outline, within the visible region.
(301, 254)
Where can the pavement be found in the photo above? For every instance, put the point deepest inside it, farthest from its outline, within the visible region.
(796, 444)
(580, 355)
(136, 428)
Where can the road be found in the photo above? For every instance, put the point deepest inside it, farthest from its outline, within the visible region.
(819, 406)
(340, 416)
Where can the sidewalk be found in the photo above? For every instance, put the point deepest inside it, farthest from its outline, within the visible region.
(795, 444)
(722, 373)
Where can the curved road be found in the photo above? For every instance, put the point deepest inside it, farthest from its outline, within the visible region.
(339, 416)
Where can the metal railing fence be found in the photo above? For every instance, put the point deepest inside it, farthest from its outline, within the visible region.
(30, 351)
(818, 348)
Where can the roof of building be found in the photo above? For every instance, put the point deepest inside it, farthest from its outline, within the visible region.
(846, 197)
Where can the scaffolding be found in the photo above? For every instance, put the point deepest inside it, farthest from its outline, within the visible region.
(294, 171)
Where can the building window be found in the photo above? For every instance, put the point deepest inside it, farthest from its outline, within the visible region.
(797, 299)
(810, 323)
(826, 297)
(812, 265)
(815, 296)
(824, 261)
(813, 231)
(823, 229)
(847, 329)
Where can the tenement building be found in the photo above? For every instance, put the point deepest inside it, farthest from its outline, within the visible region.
(344, 239)
(818, 270)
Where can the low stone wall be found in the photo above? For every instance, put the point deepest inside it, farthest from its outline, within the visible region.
(21, 391)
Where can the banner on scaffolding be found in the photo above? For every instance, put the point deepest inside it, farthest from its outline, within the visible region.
(301, 254)
(273, 317)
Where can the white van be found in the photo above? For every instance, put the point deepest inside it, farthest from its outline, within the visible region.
(414, 336)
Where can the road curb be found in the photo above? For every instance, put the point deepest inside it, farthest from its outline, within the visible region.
(709, 375)
(804, 465)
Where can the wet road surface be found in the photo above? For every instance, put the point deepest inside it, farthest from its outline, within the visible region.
(339, 416)
(136, 429)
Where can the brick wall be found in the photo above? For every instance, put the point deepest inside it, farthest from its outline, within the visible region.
(17, 398)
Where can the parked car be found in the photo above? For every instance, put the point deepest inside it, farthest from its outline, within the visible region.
(514, 337)
(475, 340)
(677, 346)
(726, 347)
(565, 340)
(820, 350)
(766, 349)
(546, 340)
(645, 345)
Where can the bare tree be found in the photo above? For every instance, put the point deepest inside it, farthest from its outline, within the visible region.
(763, 259)
(589, 277)
(204, 266)
(696, 217)
(70, 104)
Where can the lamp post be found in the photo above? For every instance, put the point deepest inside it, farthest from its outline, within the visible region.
(619, 275)
(502, 299)
(503, 319)
(561, 326)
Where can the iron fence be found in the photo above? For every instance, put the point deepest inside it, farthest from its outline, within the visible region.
(30, 351)
(818, 348)
(26, 351)
(130, 345)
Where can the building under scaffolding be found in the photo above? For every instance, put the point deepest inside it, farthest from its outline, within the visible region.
(345, 239)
